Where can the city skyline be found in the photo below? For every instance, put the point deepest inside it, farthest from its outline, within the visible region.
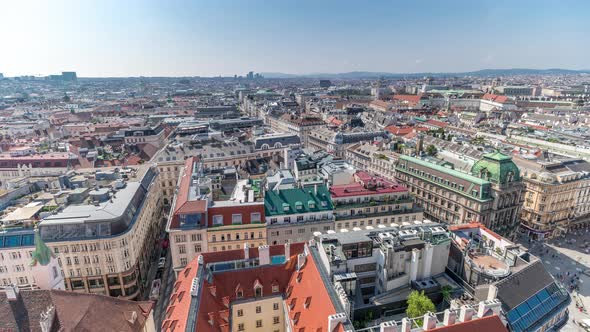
(181, 38)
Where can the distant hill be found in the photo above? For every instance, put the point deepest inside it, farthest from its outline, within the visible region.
(481, 73)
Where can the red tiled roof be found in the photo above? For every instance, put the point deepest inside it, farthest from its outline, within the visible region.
(307, 288)
(484, 324)
(183, 204)
(399, 131)
(178, 307)
(227, 211)
(359, 188)
(437, 123)
(410, 99)
(495, 98)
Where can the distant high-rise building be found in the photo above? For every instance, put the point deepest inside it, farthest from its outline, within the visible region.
(1, 75)
(325, 83)
(250, 75)
(69, 76)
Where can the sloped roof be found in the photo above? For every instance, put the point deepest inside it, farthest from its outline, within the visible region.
(74, 311)
(484, 324)
(518, 287)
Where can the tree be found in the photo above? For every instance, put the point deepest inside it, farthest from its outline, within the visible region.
(431, 150)
(446, 291)
(418, 305)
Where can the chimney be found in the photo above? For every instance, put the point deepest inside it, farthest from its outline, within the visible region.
(406, 325)
(429, 321)
(450, 317)
(390, 326)
(334, 319)
(301, 259)
(466, 313)
(488, 308)
(263, 255)
(315, 189)
(12, 292)
(287, 250)
(195, 287)
(246, 251)
(492, 292)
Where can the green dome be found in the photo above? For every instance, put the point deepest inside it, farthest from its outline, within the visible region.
(497, 168)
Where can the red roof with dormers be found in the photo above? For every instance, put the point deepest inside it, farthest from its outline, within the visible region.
(399, 131)
(228, 211)
(308, 300)
(215, 297)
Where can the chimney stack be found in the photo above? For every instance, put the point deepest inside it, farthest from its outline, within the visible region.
(406, 325)
(429, 321)
(301, 259)
(12, 292)
(264, 255)
(488, 308)
(246, 251)
(287, 250)
(450, 317)
(466, 313)
(334, 319)
(390, 326)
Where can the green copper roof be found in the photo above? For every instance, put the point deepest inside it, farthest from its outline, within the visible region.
(298, 200)
(497, 168)
(42, 253)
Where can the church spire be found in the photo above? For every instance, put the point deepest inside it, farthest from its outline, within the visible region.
(42, 254)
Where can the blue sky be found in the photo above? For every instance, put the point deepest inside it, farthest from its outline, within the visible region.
(217, 37)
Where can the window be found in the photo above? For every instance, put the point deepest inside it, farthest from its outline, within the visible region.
(183, 261)
(198, 248)
(259, 323)
(195, 237)
(255, 217)
(236, 219)
(240, 312)
(258, 309)
(275, 288)
(182, 249)
(301, 230)
(239, 295)
(275, 306)
(258, 291)
(241, 327)
(299, 218)
(217, 220)
(276, 320)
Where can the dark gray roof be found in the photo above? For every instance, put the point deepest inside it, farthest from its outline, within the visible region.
(518, 287)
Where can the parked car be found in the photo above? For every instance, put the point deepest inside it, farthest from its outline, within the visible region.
(155, 291)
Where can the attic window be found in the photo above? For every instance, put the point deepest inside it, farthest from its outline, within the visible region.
(324, 203)
(299, 276)
(307, 302)
(311, 204)
(285, 207)
(258, 290)
(292, 304)
(240, 294)
(275, 288)
(298, 205)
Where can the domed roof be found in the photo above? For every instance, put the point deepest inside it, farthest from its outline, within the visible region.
(497, 168)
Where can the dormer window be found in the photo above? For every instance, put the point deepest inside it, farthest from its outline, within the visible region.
(285, 207)
(298, 206)
(257, 288)
(311, 204)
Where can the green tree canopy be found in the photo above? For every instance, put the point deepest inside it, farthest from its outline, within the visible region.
(418, 305)
(431, 150)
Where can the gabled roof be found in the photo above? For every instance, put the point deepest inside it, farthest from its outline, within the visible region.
(520, 286)
(73, 312)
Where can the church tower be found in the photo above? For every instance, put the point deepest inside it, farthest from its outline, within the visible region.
(46, 269)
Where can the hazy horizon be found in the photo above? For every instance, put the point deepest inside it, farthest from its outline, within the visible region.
(197, 38)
